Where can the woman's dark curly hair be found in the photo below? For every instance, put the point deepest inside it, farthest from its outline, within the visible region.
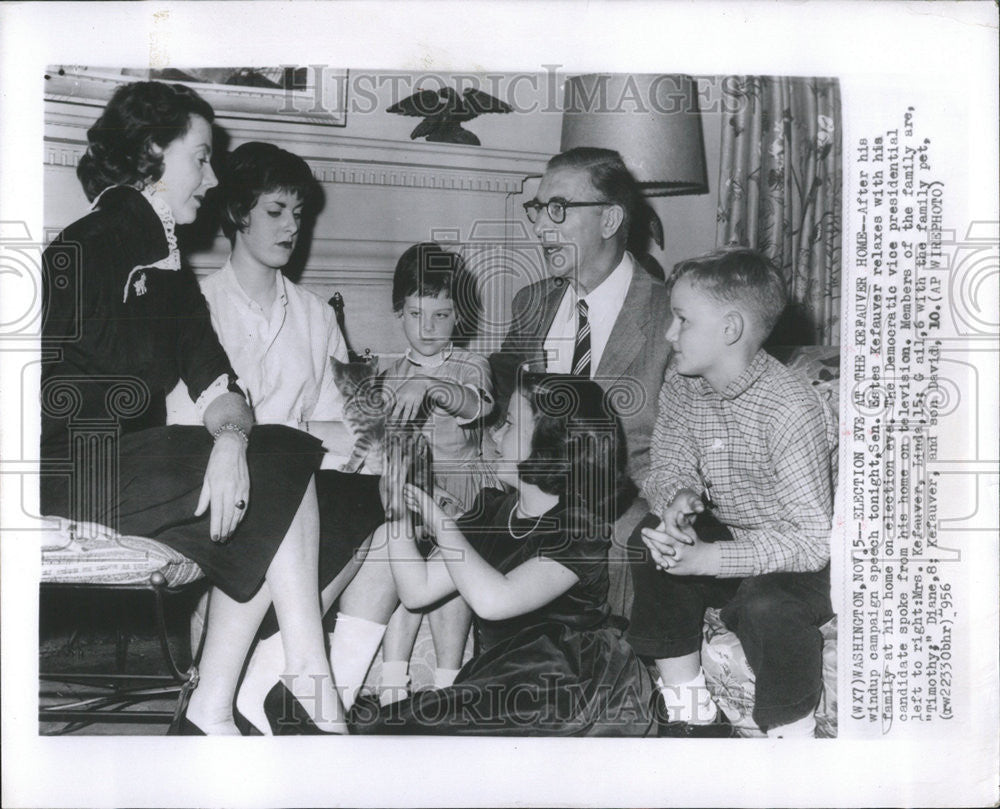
(426, 270)
(578, 449)
(138, 116)
(256, 168)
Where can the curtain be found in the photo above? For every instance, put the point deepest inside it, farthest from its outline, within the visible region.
(780, 188)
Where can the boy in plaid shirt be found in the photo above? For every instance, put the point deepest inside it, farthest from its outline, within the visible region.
(741, 488)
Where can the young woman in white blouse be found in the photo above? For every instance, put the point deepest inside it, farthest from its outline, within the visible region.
(280, 338)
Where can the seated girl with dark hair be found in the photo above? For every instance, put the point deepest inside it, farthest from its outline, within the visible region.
(280, 338)
(532, 564)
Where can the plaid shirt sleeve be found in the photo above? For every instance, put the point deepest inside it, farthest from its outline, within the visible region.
(798, 537)
(672, 453)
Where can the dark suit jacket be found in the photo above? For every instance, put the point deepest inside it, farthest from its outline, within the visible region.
(632, 365)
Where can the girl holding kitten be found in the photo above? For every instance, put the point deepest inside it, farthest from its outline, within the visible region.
(532, 562)
(446, 390)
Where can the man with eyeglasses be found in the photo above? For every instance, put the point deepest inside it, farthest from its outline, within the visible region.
(598, 313)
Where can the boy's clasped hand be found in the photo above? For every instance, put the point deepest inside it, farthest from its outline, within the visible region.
(675, 547)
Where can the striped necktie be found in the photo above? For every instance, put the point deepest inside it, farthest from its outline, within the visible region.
(581, 352)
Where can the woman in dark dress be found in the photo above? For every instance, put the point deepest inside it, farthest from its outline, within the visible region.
(532, 564)
(123, 322)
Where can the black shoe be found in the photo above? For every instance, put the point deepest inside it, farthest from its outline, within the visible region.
(365, 710)
(245, 726)
(287, 716)
(185, 728)
(718, 728)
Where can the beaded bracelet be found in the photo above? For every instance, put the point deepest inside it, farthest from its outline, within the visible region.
(230, 427)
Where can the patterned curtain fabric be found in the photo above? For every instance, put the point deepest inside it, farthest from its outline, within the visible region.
(780, 187)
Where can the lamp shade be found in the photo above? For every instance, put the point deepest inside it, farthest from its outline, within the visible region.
(652, 121)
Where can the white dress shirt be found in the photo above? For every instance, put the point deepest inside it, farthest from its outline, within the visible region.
(281, 355)
(603, 305)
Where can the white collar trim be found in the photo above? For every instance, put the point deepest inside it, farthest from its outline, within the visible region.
(431, 362)
(166, 217)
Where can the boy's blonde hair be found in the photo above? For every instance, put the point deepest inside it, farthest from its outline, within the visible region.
(738, 275)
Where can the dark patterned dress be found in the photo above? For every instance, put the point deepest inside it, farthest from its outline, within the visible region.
(563, 669)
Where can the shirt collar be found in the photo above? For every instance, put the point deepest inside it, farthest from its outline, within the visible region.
(608, 296)
(228, 276)
(430, 362)
(739, 385)
(166, 217)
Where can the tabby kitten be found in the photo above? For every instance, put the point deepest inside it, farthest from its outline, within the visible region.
(367, 401)
(364, 412)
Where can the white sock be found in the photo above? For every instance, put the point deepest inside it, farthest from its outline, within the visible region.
(265, 667)
(353, 645)
(444, 677)
(804, 728)
(690, 701)
(395, 683)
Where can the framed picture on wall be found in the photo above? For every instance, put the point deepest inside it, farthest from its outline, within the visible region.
(309, 95)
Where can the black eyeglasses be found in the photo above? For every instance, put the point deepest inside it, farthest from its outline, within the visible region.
(555, 208)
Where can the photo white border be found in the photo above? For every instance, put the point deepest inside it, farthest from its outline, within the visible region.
(913, 42)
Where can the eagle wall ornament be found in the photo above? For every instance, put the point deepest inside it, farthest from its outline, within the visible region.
(444, 111)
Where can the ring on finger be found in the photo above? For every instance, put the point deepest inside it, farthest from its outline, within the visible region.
(241, 504)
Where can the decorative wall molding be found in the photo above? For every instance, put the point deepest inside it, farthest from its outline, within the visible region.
(317, 273)
(337, 159)
(356, 262)
(63, 153)
(67, 154)
(397, 175)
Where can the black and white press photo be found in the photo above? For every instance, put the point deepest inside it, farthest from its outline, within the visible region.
(520, 422)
